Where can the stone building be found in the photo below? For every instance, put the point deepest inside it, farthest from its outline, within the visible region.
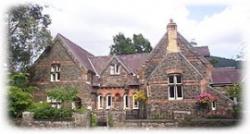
(172, 75)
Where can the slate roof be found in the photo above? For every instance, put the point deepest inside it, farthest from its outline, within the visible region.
(134, 61)
(226, 75)
(202, 50)
(80, 54)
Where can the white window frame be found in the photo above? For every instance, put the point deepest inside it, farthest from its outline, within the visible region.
(175, 84)
(148, 91)
(137, 105)
(107, 101)
(55, 72)
(100, 102)
(213, 105)
(125, 100)
(115, 69)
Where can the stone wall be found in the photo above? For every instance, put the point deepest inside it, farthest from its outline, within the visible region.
(79, 120)
(71, 74)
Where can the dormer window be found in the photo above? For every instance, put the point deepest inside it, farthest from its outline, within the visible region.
(55, 72)
(115, 69)
(175, 91)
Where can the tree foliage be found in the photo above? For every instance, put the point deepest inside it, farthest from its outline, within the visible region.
(19, 94)
(28, 34)
(234, 91)
(63, 93)
(125, 45)
(19, 101)
(140, 96)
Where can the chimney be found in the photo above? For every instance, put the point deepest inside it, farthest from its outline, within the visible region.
(172, 37)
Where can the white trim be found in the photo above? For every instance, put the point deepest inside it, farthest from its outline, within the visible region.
(169, 97)
(107, 101)
(124, 101)
(137, 103)
(213, 105)
(148, 91)
(176, 89)
(93, 66)
(175, 85)
(99, 102)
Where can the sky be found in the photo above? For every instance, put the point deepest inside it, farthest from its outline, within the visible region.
(92, 24)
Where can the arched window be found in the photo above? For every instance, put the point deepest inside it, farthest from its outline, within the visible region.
(135, 103)
(175, 90)
(100, 102)
(108, 101)
(125, 101)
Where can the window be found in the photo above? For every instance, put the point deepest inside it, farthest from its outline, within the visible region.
(100, 102)
(175, 91)
(54, 103)
(108, 102)
(125, 102)
(213, 105)
(55, 72)
(115, 69)
(148, 91)
(135, 103)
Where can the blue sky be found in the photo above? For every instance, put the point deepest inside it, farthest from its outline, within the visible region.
(199, 12)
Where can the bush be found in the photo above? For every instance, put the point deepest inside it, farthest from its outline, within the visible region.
(44, 111)
(93, 120)
(19, 101)
(110, 120)
(80, 110)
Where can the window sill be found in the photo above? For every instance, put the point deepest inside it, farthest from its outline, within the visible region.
(114, 74)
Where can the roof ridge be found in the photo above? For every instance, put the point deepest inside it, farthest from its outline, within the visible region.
(75, 44)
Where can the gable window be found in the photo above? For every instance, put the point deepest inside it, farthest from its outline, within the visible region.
(108, 101)
(125, 102)
(115, 69)
(213, 105)
(55, 72)
(100, 102)
(175, 91)
(135, 103)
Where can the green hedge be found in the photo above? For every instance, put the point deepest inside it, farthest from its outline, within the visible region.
(43, 111)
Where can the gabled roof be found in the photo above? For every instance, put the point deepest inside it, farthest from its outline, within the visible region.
(132, 61)
(225, 75)
(80, 54)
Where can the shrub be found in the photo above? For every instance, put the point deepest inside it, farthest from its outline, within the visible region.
(19, 101)
(44, 111)
(110, 120)
(93, 120)
(80, 110)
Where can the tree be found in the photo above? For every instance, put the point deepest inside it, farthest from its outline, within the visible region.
(124, 45)
(141, 44)
(19, 94)
(234, 91)
(141, 97)
(19, 101)
(28, 35)
(62, 94)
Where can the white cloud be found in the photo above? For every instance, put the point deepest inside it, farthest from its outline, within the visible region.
(92, 24)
